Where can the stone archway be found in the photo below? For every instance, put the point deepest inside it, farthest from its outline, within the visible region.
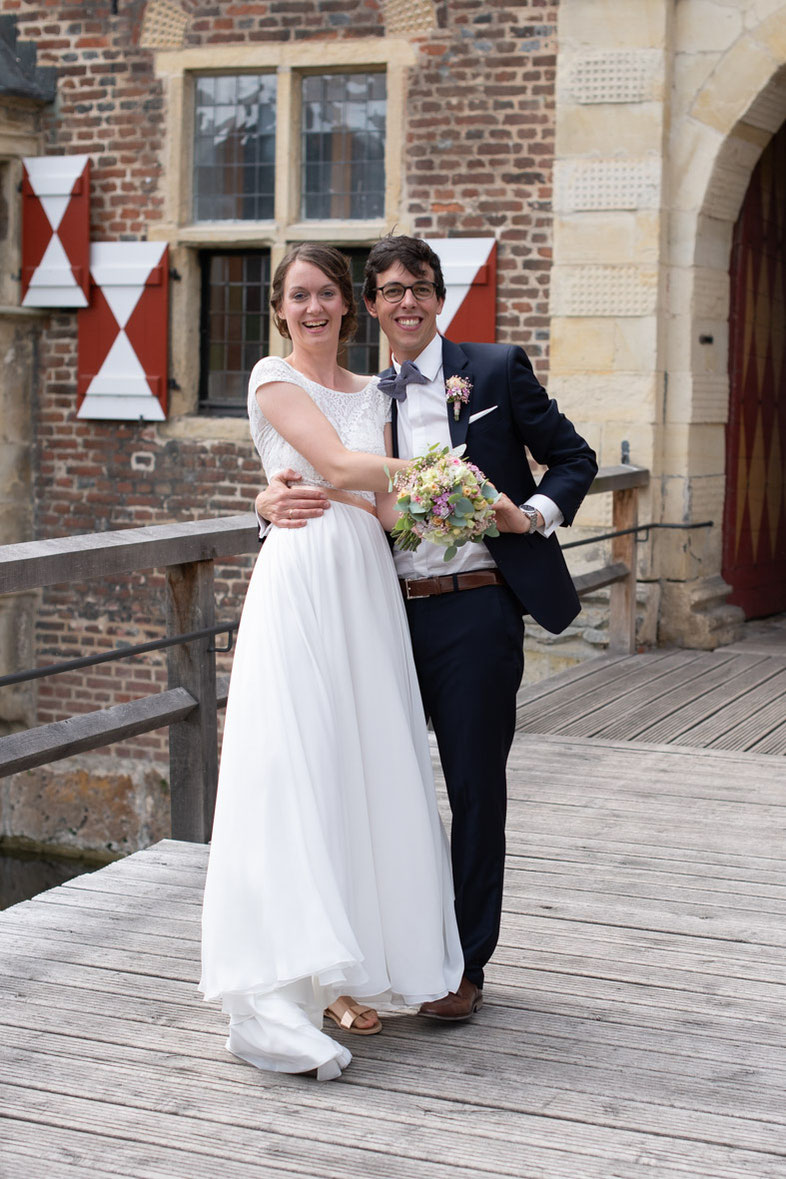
(718, 144)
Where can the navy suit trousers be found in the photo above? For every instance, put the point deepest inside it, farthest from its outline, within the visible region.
(468, 649)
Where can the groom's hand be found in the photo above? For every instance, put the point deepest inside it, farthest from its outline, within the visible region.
(288, 505)
(511, 518)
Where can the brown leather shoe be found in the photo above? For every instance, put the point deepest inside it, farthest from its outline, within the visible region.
(456, 1005)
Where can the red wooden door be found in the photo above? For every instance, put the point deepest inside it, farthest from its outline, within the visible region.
(754, 526)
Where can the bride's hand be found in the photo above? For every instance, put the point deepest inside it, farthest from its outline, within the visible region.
(288, 505)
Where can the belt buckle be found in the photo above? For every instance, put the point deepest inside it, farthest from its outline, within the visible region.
(408, 581)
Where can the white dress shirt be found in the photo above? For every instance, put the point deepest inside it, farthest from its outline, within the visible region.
(422, 422)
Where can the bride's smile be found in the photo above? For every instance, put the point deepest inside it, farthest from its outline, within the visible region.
(312, 306)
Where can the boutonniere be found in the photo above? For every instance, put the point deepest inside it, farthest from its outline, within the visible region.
(457, 391)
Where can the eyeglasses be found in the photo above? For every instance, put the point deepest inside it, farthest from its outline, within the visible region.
(394, 292)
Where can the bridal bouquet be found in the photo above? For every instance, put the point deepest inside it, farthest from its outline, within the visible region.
(443, 499)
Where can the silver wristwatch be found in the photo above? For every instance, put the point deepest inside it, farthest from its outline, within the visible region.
(531, 514)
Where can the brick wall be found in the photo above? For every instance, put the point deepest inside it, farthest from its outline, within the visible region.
(480, 138)
(479, 144)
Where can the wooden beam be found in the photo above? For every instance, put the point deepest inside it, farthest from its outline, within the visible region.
(193, 741)
(90, 730)
(619, 478)
(104, 554)
(585, 583)
(622, 599)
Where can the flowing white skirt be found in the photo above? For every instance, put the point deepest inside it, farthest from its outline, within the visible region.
(329, 868)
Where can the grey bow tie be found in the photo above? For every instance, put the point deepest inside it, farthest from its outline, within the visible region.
(396, 387)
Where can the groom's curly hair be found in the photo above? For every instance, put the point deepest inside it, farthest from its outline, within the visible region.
(413, 253)
(334, 265)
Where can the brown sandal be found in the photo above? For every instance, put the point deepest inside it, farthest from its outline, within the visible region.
(345, 1012)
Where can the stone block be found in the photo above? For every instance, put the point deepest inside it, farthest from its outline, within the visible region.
(636, 344)
(675, 499)
(730, 177)
(771, 33)
(647, 237)
(696, 614)
(703, 25)
(710, 346)
(696, 344)
(607, 184)
(619, 395)
(706, 499)
(694, 449)
(604, 290)
(743, 72)
(581, 345)
(641, 438)
(638, 25)
(768, 110)
(609, 131)
(88, 803)
(691, 71)
(693, 152)
(610, 75)
(682, 554)
(586, 238)
(701, 292)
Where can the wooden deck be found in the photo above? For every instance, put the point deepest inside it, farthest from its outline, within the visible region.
(732, 698)
(635, 1018)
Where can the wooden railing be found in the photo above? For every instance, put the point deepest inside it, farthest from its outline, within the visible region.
(194, 692)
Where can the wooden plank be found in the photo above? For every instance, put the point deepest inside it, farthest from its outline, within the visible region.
(91, 730)
(690, 698)
(773, 742)
(611, 685)
(105, 554)
(719, 685)
(765, 714)
(613, 721)
(713, 730)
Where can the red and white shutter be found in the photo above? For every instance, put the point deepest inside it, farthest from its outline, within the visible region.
(123, 334)
(56, 231)
(469, 265)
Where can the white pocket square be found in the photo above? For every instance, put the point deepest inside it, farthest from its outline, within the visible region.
(473, 417)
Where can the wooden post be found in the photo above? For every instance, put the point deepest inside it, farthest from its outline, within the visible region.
(622, 601)
(193, 742)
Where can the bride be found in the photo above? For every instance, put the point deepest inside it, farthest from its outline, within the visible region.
(329, 879)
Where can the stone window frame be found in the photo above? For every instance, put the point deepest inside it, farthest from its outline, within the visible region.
(177, 69)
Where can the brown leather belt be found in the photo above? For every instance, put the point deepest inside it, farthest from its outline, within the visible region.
(426, 587)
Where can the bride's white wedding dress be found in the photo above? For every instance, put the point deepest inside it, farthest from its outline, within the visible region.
(329, 868)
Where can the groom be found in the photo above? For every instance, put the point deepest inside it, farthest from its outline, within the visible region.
(466, 625)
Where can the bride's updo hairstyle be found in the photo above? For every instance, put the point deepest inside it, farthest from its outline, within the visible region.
(334, 266)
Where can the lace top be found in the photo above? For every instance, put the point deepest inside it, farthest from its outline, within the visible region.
(358, 419)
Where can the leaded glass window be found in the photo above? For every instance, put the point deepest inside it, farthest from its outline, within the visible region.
(235, 328)
(343, 146)
(362, 352)
(234, 147)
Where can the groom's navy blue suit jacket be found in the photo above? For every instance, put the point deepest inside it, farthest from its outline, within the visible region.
(522, 414)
